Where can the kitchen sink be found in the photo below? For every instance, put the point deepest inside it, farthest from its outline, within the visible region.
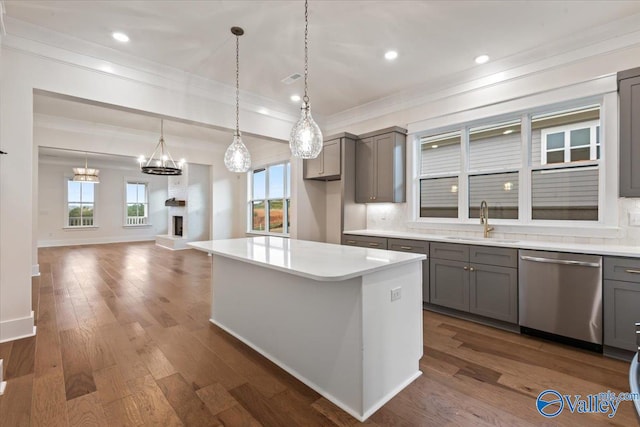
(481, 239)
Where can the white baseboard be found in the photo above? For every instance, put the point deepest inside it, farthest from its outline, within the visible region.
(15, 329)
(3, 384)
(35, 270)
(93, 241)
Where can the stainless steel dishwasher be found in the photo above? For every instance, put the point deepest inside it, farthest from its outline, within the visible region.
(561, 294)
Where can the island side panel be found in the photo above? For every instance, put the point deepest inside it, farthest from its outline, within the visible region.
(311, 329)
(392, 333)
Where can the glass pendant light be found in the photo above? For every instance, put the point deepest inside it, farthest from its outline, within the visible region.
(306, 138)
(237, 157)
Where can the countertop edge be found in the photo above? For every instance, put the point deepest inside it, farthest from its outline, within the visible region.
(337, 278)
(618, 250)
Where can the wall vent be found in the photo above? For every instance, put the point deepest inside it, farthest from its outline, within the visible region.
(292, 78)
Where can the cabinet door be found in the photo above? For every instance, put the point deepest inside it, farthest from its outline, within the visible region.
(449, 284)
(383, 172)
(493, 292)
(331, 158)
(364, 170)
(629, 89)
(621, 312)
(313, 167)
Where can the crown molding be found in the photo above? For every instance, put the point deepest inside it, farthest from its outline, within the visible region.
(609, 38)
(52, 45)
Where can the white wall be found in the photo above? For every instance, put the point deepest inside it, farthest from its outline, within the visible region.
(198, 206)
(109, 206)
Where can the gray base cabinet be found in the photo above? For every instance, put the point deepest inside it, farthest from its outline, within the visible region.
(621, 302)
(488, 288)
(365, 241)
(493, 292)
(449, 284)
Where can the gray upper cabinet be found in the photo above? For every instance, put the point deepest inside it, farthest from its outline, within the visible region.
(629, 90)
(380, 166)
(326, 166)
(621, 302)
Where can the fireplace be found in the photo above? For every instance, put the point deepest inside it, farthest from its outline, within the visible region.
(177, 226)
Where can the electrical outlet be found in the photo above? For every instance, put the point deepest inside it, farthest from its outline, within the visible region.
(396, 294)
(634, 219)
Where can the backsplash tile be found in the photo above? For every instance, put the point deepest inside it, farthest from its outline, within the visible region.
(394, 217)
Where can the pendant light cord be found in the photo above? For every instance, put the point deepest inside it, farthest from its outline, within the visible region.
(238, 84)
(306, 51)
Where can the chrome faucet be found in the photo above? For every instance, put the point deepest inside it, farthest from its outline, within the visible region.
(484, 218)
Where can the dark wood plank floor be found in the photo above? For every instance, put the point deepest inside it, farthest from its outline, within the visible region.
(124, 339)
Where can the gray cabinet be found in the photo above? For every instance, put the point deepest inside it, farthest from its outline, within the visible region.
(414, 246)
(326, 166)
(380, 166)
(629, 90)
(621, 302)
(478, 279)
(449, 284)
(493, 292)
(364, 241)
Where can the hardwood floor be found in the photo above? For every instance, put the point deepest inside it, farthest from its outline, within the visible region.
(124, 340)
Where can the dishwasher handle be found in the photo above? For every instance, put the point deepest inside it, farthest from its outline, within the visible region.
(560, 261)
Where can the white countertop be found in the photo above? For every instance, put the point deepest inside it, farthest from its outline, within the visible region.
(313, 260)
(612, 250)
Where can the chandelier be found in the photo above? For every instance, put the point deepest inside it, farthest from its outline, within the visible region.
(306, 138)
(237, 157)
(86, 174)
(163, 164)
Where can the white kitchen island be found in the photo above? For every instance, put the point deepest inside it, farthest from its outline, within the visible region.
(324, 313)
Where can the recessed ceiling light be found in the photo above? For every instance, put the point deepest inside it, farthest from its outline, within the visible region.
(263, 111)
(507, 132)
(121, 37)
(295, 98)
(434, 146)
(391, 55)
(482, 59)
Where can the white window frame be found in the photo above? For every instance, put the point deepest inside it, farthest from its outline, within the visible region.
(607, 224)
(592, 125)
(66, 225)
(286, 200)
(125, 219)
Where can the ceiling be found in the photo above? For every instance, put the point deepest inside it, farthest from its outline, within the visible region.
(436, 40)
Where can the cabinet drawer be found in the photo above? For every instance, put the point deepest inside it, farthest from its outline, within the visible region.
(365, 241)
(451, 251)
(503, 257)
(402, 245)
(625, 269)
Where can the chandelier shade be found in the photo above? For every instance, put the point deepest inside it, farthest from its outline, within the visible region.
(85, 174)
(237, 158)
(161, 162)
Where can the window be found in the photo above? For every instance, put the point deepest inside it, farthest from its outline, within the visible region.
(551, 172)
(565, 173)
(137, 203)
(80, 204)
(439, 171)
(494, 163)
(270, 199)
